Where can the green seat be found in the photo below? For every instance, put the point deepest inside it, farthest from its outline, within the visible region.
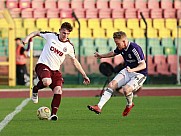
(100, 42)
(37, 44)
(157, 50)
(152, 42)
(111, 43)
(169, 50)
(168, 42)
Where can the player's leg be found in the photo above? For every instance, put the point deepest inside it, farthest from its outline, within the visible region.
(118, 81)
(56, 86)
(133, 85)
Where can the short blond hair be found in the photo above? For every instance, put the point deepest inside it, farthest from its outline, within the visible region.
(119, 35)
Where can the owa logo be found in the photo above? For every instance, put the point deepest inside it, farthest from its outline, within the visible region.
(55, 50)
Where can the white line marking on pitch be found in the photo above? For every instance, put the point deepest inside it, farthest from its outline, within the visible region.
(10, 116)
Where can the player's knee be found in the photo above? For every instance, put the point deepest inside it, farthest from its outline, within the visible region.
(46, 81)
(57, 90)
(113, 85)
(126, 90)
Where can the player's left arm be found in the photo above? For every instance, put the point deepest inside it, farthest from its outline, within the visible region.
(80, 69)
(141, 66)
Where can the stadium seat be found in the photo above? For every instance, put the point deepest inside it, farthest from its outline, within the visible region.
(115, 4)
(131, 13)
(159, 23)
(127, 31)
(3, 23)
(119, 23)
(24, 4)
(163, 69)
(50, 4)
(172, 59)
(2, 4)
(53, 13)
(111, 43)
(171, 23)
(39, 13)
(152, 33)
(70, 20)
(169, 50)
(118, 13)
(29, 23)
(30, 30)
(12, 4)
(169, 13)
(140, 4)
(37, 4)
(159, 59)
(91, 13)
(151, 66)
(156, 13)
(178, 14)
(66, 13)
(83, 23)
(42, 23)
(164, 33)
(80, 13)
(107, 23)
(167, 42)
(175, 33)
(15, 12)
(63, 4)
(110, 31)
(76, 4)
(93, 23)
(153, 42)
(74, 33)
(87, 42)
(27, 13)
(138, 33)
(54, 24)
(128, 4)
(166, 4)
(99, 33)
(102, 4)
(88, 50)
(104, 13)
(177, 4)
(133, 23)
(101, 42)
(4, 33)
(91, 60)
(69, 69)
(153, 4)
(149, 23)
(86, 34)
(89, 4)
(18, 22)
(145, 12)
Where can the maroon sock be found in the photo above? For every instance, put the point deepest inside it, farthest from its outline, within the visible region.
(55, 103)
(38, 86)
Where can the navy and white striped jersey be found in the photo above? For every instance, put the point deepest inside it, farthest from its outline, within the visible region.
(132, 55)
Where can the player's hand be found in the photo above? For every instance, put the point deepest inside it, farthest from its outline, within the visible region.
(129, 69)
(86, 80)
(97, 55)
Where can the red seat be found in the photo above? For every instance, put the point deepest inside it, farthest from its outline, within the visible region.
(145, 12)
(12, 4)
(172, 59)
(25, 4)
(102, 4)
(104, 13)
(91, 60)
(2, 4)
(118, 13)
(178, 14)
(80, 13)
(27, 13)
(115, 4)
(156, 13)
(131, 13)
(37, 4)
(15, 12)
(160, 59)
(140, 4)
(163, 69)
(53, 13)
(169, 13)
(151, 66)
(50, 4)
(39, 13)
(63, 4)
(128, 4)
(91, 13)
(166, 4)
(89, 4)
(66, 13)
(177, 4)
(77, 4)
(153, 4)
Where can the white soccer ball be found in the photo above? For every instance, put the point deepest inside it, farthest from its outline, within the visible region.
(43, 113)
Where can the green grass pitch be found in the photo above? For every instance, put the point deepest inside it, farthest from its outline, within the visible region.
(151, 116)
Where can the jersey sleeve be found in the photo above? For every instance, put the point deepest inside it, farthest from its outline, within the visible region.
(71, 51)
(116, 51)
(45, 35)
(138, 52)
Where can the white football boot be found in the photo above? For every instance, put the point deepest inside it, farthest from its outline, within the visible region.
(53, 117)
(34, 97)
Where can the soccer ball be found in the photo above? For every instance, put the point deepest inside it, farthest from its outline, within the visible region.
(43, 113)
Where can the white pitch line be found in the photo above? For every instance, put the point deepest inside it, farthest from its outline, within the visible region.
(10, 116)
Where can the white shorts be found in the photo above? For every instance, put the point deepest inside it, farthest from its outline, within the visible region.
(133, 79)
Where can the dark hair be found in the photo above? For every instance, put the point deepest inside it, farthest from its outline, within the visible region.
(18, 39)
(119, 35)
(67, 26)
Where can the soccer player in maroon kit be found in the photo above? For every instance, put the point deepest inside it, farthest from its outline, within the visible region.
(56, 48)
(131, 78)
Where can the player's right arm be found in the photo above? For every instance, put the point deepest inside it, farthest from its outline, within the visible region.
(31, 35)
(107, 55)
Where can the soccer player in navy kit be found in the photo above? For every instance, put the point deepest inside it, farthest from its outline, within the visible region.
(55, 50)
(131, 78)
